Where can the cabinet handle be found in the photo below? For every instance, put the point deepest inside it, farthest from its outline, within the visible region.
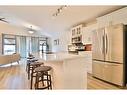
(112, 64)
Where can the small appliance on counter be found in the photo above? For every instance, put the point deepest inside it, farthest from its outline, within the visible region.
(79, 47)
(75, 47)
(72, 49)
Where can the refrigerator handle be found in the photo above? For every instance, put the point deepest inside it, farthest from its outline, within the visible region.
(103, 39)
(106, 44)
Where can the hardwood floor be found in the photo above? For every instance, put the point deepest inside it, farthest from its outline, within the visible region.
(93, 83)
(14, 77)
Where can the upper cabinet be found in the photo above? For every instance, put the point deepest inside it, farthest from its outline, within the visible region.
(77, 31)
(76, 34)
(83, 34)
(116, 17)
(87, 33)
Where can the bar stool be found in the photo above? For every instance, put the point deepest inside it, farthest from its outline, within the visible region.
(28, 68)
(32, 67)
(42, 72)
(29, 61)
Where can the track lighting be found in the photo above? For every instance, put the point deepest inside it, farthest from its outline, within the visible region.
(59, 10)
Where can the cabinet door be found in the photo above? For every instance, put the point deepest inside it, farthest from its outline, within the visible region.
(87, 36)
(105, 20)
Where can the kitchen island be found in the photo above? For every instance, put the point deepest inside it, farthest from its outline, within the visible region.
(69, 70)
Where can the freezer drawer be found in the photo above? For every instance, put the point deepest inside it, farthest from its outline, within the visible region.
(97, 69)
(113, 73)
(109, 72)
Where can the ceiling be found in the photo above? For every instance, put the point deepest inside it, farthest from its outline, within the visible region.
(40, 17)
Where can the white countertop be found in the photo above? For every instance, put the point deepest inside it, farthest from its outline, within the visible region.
(61, 56)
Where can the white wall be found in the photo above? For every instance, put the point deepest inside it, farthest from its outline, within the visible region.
(64, 40)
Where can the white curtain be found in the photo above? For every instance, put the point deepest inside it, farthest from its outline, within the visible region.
(21, 46)
(34, 44)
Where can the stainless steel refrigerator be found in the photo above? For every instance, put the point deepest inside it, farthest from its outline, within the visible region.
(108, 54)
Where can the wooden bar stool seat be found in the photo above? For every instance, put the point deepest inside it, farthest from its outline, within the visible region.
(43, 76)
(34, 64)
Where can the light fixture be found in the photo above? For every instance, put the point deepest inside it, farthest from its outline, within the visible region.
(59, 10)
(31, 31)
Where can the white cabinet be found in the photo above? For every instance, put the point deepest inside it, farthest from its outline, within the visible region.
(88, 59)
(77, 31)
(75, 71)
(120, 16)
(116, 17)
(86, 36)
(105, 20)
(83, 34)
(76, 36)
(87, 33)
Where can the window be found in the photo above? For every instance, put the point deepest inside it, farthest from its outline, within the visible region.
(9, 44)
(23, 44)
